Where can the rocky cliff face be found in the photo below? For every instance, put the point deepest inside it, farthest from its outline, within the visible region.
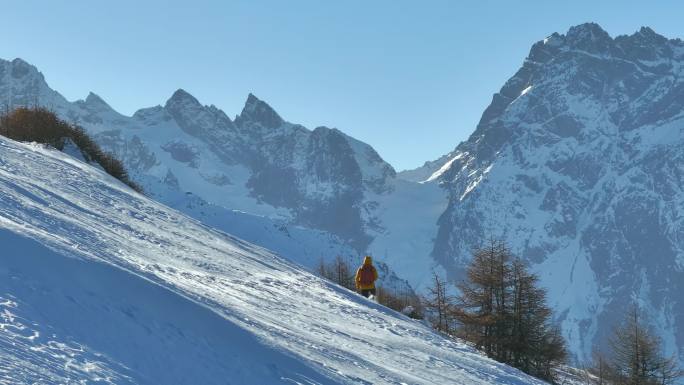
(579, 164)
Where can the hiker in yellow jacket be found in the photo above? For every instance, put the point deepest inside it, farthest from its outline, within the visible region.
(365, 277)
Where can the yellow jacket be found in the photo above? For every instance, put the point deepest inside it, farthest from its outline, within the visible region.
(366, 286)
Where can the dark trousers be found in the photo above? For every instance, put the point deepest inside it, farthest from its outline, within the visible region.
(367, 292)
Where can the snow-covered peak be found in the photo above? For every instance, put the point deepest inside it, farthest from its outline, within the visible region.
(647, 46)
(647, 36)
(22, 69)
(574, 64)
(650, 35)
(642, 45)
(258, 111)
(94, 104)
(182, 99)
(21, 84)
(94, 99)
(207, 122)
(589, 37)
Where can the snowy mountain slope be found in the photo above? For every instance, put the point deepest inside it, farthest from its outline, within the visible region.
(101, 284)
(578, 163)
(65, 320)
(304, 246)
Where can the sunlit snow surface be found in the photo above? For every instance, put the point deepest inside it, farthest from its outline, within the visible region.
(101, 285)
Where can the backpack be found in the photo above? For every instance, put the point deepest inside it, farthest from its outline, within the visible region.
(367, 275)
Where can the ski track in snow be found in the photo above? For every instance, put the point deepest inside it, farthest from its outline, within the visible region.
(236, 304)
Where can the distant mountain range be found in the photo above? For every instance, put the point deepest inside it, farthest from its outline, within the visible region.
(577, 163)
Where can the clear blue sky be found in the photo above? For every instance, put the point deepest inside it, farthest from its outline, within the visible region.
(410, 78)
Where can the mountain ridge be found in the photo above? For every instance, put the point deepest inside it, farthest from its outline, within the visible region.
(575, 163)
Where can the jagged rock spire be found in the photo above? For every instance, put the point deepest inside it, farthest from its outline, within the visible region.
(260, 112)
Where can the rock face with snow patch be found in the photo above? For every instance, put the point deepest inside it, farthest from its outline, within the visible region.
(578, 163)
